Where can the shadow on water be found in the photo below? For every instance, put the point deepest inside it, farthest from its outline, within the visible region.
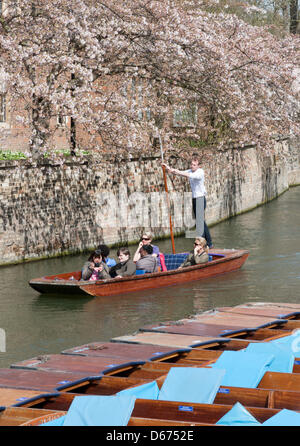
(42, 324)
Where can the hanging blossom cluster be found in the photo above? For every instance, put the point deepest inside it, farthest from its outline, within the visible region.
(121, 70)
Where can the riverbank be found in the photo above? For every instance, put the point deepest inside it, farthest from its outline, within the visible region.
(57, 210)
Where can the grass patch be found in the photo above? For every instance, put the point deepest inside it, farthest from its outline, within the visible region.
(8, 155)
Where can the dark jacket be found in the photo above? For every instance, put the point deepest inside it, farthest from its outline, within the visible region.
(123, 269)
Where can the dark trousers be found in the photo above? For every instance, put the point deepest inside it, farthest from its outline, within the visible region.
(206, 233)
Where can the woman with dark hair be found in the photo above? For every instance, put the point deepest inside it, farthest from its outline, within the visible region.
(95, 268)
(125, 267)
(105, 253)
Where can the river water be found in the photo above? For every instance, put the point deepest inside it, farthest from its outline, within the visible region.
(42, 324)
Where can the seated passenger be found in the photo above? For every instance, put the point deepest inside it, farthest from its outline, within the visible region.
(95, 268)
(146, 239)
(147, 261)
(125, 267)
(105, 253)
(198, 255)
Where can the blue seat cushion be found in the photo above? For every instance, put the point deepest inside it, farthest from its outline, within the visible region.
(243, 369)
(191, 385)
(100, 410)
(238, 416)
(285, 417)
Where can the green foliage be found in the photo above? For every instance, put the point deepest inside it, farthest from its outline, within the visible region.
(8, 155)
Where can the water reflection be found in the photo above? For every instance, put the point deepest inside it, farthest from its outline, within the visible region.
(36, 324)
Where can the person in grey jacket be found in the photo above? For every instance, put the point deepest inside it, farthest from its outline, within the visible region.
(147, 262)
(198, 255)
(95, 268)
(125, 267)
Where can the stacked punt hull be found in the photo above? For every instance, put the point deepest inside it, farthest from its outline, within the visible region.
(44, 388)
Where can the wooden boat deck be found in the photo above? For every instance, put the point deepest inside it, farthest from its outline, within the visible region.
(168, 339)
(11, 397)
(18, 416)
(40, 380)
(280, 311)
(179, 340)
(125, 351)
(77, 364)
(196, 328)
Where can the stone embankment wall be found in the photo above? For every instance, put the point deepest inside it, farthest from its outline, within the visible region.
(52, 210)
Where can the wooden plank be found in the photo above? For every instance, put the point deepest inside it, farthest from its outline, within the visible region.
(16, 416)
(106, 385)
(10, 397)
(191, 412)
(167, 339)
(280, 381)
(193, 329)
(128, 352)
(75, 364)
(267, 311)
(236, 320)
(36, 379)
(175, 411)
(196, 328)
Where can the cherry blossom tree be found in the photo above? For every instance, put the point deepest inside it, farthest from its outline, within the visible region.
(123, 71)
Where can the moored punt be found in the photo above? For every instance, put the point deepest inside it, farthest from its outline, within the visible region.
(125, 351)
(39, 380)
(100, 365)
(237, 320)
(184, 341)
(19, 416)
(77, 364)
(196, 328)
(280, 311)
(223, 261)
(159, 410)
(14, 397)
(187, 356)
(169, 339)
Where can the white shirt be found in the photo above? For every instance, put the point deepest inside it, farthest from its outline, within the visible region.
(197, 182)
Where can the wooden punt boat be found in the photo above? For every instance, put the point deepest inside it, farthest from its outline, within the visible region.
(22, 416)
(263, 311)
(249, 397)
(15, 397)
(199, 329)
(40, 380)
(172, 411)
(77, 364)
(187, 356)
(129, 352)
(169, 339)
(277, 398)
(98, 366)
(223, 261)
